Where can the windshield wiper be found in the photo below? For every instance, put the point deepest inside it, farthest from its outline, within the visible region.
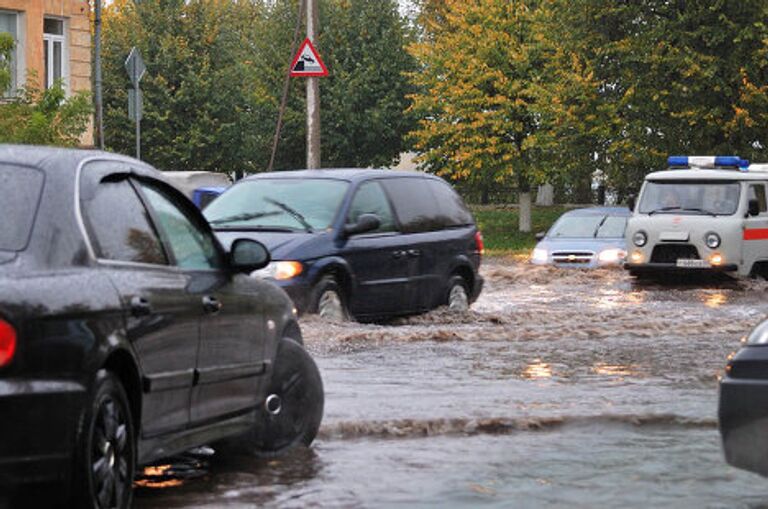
(243, 217)
(292, 212)
(684, 209)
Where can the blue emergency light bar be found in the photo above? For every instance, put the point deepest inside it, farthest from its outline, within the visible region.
(708, 162)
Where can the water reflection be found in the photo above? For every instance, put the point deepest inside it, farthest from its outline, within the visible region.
(615, 370)
(537, 370)
(714, 299)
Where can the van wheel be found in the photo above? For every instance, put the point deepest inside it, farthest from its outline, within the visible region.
(106, 454)
(458, 294)
(328, 300)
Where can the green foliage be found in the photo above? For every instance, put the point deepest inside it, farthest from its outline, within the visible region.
(215, 74)
(45, 117)
(6, 47)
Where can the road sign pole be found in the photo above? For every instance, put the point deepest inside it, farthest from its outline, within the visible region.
(313, 97)
(135, 67)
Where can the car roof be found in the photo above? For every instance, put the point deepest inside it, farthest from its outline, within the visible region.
(348, 174)
(600, 211)
(57, 159)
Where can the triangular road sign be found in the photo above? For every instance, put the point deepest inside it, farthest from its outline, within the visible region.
(307, 62)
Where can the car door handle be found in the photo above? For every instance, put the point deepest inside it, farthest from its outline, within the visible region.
(398, 254)
(140, 306)
(211, 304)
(414, 253)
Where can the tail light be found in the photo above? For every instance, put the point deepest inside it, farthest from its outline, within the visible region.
(479, 245)
(7, 343)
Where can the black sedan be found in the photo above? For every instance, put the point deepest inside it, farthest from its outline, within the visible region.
(743, 411)
(127, 334)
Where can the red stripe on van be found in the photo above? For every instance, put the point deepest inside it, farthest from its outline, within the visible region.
(756, 234)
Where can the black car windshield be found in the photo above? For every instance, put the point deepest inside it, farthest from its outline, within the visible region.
(278, 204)
(21, 193)
(719, 198)
(588, 227)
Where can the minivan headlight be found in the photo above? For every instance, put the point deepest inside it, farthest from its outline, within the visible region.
(712, 239)
(280, 270)
(640, 238)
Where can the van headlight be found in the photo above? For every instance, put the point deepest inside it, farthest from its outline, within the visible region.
(539, 255)
(281, 270)
(640, 238)
(611, 256)
(712, 239)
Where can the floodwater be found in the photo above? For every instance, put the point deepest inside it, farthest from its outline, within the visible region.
(560, 388)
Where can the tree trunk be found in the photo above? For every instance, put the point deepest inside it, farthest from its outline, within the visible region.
(524, 198)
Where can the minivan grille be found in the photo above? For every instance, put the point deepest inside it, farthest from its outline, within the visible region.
(669, 253)
(572, 256)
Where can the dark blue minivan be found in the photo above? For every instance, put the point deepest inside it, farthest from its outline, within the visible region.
(363, 244)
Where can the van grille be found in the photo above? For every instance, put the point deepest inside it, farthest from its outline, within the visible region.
(572, 256)
(669, 253)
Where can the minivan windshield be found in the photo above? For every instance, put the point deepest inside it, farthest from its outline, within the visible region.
(589, 227)
(21, 193)
(287, 204)
(715, 198)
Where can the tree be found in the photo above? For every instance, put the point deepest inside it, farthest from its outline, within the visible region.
(478, 105)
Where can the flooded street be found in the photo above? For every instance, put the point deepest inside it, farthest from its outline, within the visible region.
(558, 389)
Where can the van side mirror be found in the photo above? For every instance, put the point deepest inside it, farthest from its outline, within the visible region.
(248, 255)
(753, 207)
(365, 223)
(540, 236)
(631, 202)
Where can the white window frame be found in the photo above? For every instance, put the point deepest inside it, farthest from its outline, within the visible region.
(19, 53)
(48, 42)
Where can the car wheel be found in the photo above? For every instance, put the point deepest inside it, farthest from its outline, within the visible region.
(328, 300)
(458, 295)
(106, 455)
(293, 409)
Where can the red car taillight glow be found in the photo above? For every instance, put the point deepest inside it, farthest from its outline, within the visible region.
(480, 246)
(7, 343)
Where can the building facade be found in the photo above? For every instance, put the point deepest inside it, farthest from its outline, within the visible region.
(53, 41)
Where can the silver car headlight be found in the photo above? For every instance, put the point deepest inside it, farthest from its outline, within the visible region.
(539, 255)
(759, 335)
(640, 238)
(712, 239)
(611, 256)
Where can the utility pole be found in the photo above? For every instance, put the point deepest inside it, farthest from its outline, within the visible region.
(313, 96)
(97, 85)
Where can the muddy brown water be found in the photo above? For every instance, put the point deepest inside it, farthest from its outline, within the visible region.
(560, 388)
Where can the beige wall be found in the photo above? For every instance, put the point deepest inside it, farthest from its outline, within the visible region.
(76, 13)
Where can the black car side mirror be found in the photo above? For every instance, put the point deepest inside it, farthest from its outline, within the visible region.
(540, 236)
(365, 223)
(631, 202)
(248, 255)
(753, 207)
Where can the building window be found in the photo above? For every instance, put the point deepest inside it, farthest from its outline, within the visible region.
(9, 23)
(54, 47)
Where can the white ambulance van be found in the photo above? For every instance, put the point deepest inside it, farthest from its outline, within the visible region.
(704, 214)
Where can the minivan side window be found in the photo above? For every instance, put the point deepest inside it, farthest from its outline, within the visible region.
(453, 212)
(119, 225)
(370, 199)
(415, 205)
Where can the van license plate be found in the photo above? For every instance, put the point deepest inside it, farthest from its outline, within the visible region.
(692, 264)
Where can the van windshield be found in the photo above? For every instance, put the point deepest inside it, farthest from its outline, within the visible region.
(715, 198)
(278, 204)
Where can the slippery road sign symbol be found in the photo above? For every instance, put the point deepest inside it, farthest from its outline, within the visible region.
(307, 62)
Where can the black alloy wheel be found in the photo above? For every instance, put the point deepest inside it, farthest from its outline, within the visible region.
(107, 458)
(293, 417)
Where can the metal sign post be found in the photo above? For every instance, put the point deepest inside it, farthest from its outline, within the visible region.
(136, 69)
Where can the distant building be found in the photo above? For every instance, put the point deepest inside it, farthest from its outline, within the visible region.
(53, 40)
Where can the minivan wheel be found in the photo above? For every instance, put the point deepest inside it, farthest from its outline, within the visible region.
(293, 409)
(106, 455)
(328, 300)
(458, 295)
